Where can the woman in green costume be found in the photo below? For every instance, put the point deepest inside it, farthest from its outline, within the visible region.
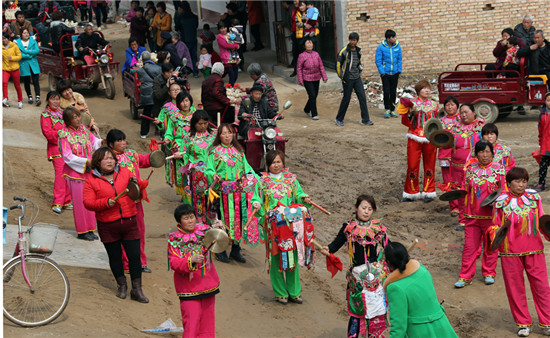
(236, 183)
(414, 308)
(176, 137)
(169, 108)
(279, 185)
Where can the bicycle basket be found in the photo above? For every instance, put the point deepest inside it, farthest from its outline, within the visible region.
(42, 238)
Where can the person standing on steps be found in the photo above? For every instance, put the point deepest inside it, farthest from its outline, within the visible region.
(349, 70)
(389, 61)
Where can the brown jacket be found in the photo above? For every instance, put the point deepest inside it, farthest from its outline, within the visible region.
(18, 28)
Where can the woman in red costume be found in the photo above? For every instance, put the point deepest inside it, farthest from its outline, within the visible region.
(444, 156)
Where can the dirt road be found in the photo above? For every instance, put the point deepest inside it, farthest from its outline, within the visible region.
(333, 164)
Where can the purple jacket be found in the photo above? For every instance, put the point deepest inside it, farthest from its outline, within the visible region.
(183, 52)
(310, 67)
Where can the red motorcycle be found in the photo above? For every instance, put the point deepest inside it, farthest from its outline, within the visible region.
(102, 74)
(263, 136)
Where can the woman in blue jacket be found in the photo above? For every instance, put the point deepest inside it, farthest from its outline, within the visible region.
(133, 53)
(28, 66)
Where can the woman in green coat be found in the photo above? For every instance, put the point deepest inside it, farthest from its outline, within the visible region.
(28, 66)
(413, 305)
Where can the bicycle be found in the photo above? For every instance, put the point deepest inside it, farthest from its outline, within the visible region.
(36, 289)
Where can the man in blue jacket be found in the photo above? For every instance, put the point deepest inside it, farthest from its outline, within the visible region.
(389, 61)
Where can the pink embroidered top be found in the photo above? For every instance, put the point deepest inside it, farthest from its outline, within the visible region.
(466, 136)
(448, 123)
(310, 67)
(192, 281)
(480, 181)
(523, 211)
(76, 147)
(133, 161)
(503, 155)
(426, 109)
(51, 121)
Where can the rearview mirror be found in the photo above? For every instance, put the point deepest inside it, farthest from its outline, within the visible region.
(287, 105)
(246, 102)
(184, 62)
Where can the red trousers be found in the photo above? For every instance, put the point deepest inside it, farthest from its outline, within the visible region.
(61, 193)
(512, 273)
(428, 152)
(140, 218)
(474, 235)
(198, 317)
(447, 178)
(457, 176)
(14, 74)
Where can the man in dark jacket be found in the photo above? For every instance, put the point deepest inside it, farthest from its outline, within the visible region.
(214, 97)
(167, 45)
(161, 85)
(146, 76)
(525, 30)
(258, 110)
(349, 70)
(91, 40)
(57, 30)
(539, 55)
(186, 24)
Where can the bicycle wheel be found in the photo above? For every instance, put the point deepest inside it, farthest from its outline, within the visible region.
(49, 295)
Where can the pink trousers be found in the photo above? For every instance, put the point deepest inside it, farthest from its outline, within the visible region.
(512, 273)
(474, 236)
(198, 317)
(16, 77)
(61, 193)
(140, 218)
(84, 219)
(457, 176)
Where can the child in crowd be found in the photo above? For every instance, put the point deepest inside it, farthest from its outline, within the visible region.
(503, 154)
(205, 60)
(365, 238)
(195, 276)
(312, 16)
(207, 36)
(544, 143)
(511, 62)
(236, 36)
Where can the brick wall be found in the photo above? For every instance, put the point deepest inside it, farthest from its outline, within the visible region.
(436, 35)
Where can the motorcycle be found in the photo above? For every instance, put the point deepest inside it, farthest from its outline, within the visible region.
(263, 136)
(103, 73)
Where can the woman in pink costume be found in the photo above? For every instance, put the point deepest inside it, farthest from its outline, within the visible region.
(51, 121)
(444, 155)
(76, 144)
(523, 250)
(414, 113)
(483, 176)
(466, 133)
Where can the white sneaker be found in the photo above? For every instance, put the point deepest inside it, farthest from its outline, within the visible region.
(5, 103)
(546, 331)
(524, 332)
(20, 104)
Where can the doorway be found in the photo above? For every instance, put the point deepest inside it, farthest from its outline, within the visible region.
(326, 40)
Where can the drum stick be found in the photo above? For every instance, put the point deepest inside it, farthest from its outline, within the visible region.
(121, 194)
(320, 208)
(250, 218)
(151, 173)
(170, 157)
(219, 118)
(212, 124)
(147, 117)
(414, 243)
(210, 246)
(317, 244)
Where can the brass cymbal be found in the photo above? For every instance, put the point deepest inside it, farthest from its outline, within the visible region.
(221, 240)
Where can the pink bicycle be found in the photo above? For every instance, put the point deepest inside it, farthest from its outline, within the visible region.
(36, 289)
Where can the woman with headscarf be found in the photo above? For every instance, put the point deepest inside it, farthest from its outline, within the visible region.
(214, 97)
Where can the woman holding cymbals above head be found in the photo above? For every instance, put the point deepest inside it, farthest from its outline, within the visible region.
(235, 182)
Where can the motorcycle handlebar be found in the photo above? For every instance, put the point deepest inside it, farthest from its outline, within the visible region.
(22, 199)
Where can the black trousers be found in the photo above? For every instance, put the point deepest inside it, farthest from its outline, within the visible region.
(35, 83)
(147, 110)
(85, 13)
(257, 35)
(350, 86)
(132, 249)
(312, 89)
(389, 84)
(100, 10)
(543, 169)
(233, 72)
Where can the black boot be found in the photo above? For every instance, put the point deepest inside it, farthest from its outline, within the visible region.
(222, 257)
(137, 293)
(236, 254)
(122, 287)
